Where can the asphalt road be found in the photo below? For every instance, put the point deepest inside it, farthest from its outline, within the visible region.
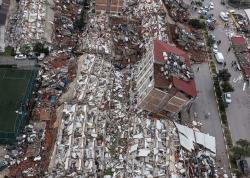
(238, 112)
(204, 103)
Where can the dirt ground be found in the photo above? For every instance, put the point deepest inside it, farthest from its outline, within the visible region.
(2, 154)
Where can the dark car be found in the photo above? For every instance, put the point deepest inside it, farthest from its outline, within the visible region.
(3, 164)
(244, 167)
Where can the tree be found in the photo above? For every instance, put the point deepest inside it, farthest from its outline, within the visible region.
(25, 49)
(40, 48)
(227, 87)
(242, 149)
(9, 51)
(224, 75)
(81, 22)
(196, 23)
(210, 41)
(243, 143)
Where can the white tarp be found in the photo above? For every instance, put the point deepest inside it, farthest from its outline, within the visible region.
(188, 132)
(206, 140)
(247, 11)
(186, 143)
(189, 136)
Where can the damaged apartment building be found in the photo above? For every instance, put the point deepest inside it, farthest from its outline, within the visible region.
(165, 80)
(109, 6)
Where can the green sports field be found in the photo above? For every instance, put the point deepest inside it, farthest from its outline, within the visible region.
(13, 87)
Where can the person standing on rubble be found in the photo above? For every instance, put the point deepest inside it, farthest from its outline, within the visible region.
(225, 64)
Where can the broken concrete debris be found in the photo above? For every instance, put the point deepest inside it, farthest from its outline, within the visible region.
(32, 21)
(101, 130)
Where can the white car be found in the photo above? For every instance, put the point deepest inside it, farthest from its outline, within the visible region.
(215, 48)
(219, 57)
(227, 98)
(211, 5)
(224, 16)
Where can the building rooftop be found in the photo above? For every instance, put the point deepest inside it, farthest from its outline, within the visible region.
(238, 40)
(160, 47)
(175, 67)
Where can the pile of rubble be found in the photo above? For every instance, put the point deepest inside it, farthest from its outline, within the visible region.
(192, 41)
(126, 37)
(97, 38)
(152, 16)
(177, 10)
(66, 13)
(30, 22)
(36, 143)
(101, 132)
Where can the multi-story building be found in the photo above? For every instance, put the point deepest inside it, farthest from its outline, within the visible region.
(165, 81)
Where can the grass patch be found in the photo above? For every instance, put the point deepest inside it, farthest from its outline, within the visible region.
(9, 51)
(13, 86)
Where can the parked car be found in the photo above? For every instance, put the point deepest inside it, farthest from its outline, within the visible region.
(3, 164)
(202, 12)
(227, 98)
(211, 5)
(219, 57)
(215, 48)
(224, 16)
(244, 167)
(210, 17)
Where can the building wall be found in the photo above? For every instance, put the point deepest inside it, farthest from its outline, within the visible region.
(240, 2)
(109, 6)
(144, 79)
(176, 103)
(151, 98)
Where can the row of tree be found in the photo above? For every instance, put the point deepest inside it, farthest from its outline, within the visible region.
(38, 48)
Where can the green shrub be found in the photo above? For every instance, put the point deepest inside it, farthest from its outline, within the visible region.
(227, 87)
(198, 3)
(196, 23)
(224, 118)
(9, 51)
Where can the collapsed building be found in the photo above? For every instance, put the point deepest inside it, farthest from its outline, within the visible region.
(101, 132)
(165, 80)
(242, 53)
(33, 21)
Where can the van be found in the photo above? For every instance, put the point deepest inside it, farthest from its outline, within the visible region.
(219, 57)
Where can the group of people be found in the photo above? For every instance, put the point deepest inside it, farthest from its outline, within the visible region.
(218, 42)
(226, 25)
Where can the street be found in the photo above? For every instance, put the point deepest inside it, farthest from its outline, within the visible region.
(204, 103)
(239, 110)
